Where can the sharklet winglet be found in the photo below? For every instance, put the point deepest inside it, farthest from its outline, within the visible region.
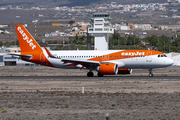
(49, 54)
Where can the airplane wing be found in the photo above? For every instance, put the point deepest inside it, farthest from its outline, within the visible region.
(82, 62)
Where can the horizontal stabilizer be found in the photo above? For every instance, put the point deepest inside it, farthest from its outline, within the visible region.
(24, 56)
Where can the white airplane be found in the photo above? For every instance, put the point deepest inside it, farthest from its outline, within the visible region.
(109, 62)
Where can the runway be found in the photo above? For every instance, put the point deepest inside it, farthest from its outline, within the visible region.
(49, 93)
(92, 78)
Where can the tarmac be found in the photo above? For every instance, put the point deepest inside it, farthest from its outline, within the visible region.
(92, 78)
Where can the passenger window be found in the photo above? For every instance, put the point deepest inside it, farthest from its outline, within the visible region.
(162, 55)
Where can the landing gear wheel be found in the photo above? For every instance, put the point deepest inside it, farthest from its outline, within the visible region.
(90, 74)
(150, 75)
(150, 72)
(99, 74)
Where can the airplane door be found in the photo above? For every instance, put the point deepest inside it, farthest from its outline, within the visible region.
(149, 57)
(134, 59)
(42, 57)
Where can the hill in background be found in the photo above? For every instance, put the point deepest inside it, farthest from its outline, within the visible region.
(70, 3)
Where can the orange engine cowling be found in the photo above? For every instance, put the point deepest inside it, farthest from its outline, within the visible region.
(108, 69)
(124, 71)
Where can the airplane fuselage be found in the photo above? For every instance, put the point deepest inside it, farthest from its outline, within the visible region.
(124, 58)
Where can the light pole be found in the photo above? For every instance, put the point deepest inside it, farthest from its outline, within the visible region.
(134, 40)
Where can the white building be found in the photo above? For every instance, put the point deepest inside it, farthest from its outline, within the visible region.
(9, 60)
(125, 28)
(101, 28)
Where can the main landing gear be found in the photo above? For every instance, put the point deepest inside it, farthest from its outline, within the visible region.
(90, 74)
(150, 72)
(99, 74)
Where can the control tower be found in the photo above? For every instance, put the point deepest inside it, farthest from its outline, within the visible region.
(101, 28)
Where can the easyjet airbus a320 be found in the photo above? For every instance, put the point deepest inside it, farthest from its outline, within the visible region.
(107, 62)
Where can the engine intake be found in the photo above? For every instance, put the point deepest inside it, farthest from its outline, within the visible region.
(108, 69)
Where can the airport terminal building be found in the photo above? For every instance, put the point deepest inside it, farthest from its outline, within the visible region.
(9, 60)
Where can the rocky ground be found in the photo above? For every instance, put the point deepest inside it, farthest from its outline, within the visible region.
(62, 99)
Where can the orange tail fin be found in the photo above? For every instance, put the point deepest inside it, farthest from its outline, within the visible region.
(26, 41)
(30, 49)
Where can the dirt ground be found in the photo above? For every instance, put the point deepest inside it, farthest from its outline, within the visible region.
(62, 99)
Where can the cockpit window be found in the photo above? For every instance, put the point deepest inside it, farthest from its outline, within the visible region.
(162, 56)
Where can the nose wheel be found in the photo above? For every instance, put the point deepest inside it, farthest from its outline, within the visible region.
(150, 73)
(90, 74)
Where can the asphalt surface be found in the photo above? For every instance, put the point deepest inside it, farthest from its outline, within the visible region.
(95, 77)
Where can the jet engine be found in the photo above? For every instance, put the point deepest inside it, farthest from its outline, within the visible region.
(124, 71)
(108, 69)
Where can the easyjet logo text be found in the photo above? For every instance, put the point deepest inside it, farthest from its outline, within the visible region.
(26, 38)
(133, 53)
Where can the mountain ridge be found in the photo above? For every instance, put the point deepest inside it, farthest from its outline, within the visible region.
(71, 3)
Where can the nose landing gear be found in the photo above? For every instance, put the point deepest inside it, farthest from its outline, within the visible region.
(150, 72)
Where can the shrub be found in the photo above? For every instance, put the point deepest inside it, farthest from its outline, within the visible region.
(4, 110)
(113, 104)
(161, 104)
(10, 104)
(178, 105)
(39, 95)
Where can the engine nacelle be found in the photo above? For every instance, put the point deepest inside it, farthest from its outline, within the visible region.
(108, 69)
(124, 71)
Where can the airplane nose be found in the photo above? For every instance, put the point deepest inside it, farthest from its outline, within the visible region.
(170, 61)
